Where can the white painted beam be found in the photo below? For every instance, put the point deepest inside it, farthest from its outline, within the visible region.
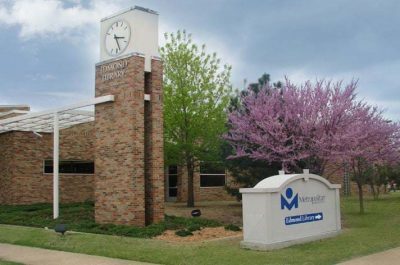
(56, 146)
(82, 104)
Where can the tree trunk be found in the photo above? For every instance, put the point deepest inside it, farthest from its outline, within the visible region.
(190, 172)
(373, 190)
(378, 191)
(360, 197)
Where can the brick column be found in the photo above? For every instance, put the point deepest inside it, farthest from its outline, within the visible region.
(119, 152)
(154, 166)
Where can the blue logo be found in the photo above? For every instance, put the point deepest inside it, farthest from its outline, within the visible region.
(289, 202)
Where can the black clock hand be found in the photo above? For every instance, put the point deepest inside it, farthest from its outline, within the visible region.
(116, 39)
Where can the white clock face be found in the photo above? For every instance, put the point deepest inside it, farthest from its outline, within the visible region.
(117, 37)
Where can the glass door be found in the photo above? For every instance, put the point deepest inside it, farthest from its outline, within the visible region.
(172, 183)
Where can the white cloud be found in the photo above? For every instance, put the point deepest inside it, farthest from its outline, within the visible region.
(377, 84)
(227, 54)
(41, 77)
(78, 23)
(200, 37)
(57, 20)
(58, 94)
(52, 17)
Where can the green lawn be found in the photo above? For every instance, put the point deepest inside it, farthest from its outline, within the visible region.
(3, 262)
(377, 230)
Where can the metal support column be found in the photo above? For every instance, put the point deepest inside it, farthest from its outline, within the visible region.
(55, 166)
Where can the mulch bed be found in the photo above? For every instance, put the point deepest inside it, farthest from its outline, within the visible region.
(207, 233)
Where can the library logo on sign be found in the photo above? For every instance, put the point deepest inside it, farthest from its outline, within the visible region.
(289, 201)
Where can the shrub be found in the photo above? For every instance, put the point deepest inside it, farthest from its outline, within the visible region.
(175, 222)
(183, 233)
(194, 227)
(232, 227)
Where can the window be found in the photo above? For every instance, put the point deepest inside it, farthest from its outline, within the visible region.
(212, 174)
(172, 181)
(70, 167)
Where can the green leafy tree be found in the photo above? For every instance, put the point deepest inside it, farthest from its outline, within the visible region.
(388, 173)
(263, 81)
(196, 94)
(376, 178)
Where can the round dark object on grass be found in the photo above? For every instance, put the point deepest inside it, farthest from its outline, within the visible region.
(61, 228)
(196, 213)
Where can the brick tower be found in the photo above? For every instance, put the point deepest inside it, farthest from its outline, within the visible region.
(129, 131)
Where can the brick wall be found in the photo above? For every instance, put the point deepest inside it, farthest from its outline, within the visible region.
(7, 108)
(154, 145)
(201, 193)
(12, 111)
(22, 177)
(6, 167)
(120, 145)
(335, 174)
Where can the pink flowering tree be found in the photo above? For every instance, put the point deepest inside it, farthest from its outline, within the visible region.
(311, 126)
(293, 124)
(373, 141)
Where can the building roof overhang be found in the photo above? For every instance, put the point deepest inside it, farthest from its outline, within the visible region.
(44, 121)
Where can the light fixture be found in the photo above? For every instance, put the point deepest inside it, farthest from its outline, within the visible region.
(60, 228)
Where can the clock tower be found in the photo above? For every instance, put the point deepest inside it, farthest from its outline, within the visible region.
(135, 30)
(129, 175)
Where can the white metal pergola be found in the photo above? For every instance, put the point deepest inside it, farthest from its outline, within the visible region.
(52, 121)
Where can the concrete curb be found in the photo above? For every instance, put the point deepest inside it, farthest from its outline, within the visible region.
(388, 257)
(38, 256)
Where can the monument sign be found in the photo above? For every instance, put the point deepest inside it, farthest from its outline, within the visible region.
(283, 210)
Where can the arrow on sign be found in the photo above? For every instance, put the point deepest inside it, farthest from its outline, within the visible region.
(318, 216)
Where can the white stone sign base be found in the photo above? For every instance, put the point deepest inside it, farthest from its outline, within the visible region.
(284, 210)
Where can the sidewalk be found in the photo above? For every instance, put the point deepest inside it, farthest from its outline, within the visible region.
(388, 257)
(38, 256)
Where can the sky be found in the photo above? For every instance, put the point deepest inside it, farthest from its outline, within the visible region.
(49, 48)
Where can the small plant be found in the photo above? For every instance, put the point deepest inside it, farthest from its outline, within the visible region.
(193, 227)
(183, 233)
(232, 227)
